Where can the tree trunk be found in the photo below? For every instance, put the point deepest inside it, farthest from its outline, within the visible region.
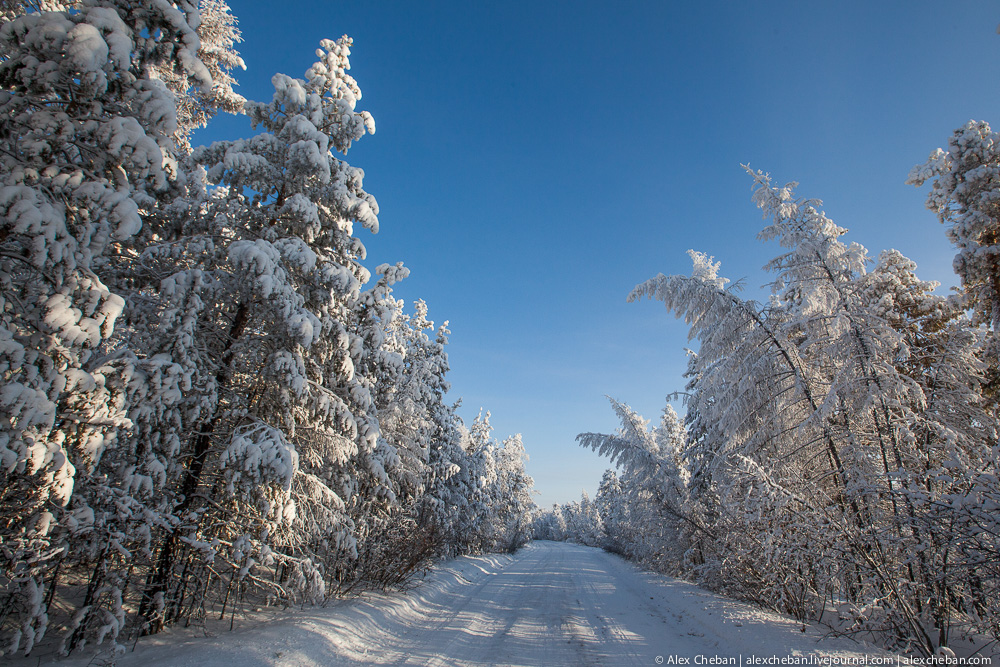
(160, 579)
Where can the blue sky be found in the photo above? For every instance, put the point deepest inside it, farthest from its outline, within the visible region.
(533, 161)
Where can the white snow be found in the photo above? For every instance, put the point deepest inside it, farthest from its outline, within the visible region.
(550, 604)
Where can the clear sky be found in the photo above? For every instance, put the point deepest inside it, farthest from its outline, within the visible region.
(534, 161)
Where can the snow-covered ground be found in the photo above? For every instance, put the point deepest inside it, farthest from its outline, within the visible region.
(550, 604)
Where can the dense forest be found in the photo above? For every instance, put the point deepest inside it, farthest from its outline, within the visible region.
(838, 459)
(207, 401)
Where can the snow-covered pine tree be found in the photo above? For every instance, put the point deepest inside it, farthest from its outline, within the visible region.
(269, 273)
(88, 135)
(419, 428)
(132, 499)
(965, 182)
(193, 378)
(474, 525)
(513, 504)
(217, 39)
(549, 524)
(614, 510)
(406, 380)
(446, 490)
(495, 513)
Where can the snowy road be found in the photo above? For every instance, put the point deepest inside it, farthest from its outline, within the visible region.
(551, 604)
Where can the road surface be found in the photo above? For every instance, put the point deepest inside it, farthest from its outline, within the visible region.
(550, 604)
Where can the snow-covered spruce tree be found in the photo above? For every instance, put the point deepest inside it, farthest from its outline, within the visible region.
(269, 274)
(88, 133)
